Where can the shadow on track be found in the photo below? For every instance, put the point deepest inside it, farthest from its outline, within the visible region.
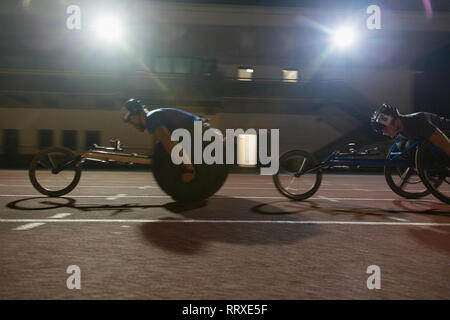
(296, 207)
(189, 238)
(436, 238)
(49, 203)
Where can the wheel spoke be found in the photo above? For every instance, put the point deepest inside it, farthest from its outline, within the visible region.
(405, 177)
(293, 180)
(50, 158)
(42, 174)
(301, 168)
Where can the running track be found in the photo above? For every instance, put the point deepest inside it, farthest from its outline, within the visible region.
(131, 241)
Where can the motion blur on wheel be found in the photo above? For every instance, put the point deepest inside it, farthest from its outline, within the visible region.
(405, 180)
(433, 166)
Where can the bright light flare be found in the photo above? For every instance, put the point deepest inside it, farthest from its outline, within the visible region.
(108, 28)
(344, 37)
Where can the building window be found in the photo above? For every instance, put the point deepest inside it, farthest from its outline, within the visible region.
(45, 138)
(197, 66)
(182, 65)
(162, 65)
(245, 73)
(11, 141)
(70, 139)
(290, 75)
(92, 137)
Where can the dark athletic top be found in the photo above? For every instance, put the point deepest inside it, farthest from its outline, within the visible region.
(421, 125)
(172, 118)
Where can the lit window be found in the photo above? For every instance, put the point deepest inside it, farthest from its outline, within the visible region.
(290, 75)
(245, 74)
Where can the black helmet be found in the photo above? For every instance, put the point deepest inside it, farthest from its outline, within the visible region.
(131, 107)
(383, 117)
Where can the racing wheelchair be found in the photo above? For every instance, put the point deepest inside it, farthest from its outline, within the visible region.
(56, 171)
(412, 169)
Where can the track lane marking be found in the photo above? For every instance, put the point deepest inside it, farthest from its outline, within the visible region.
(28, 226)
(117, 196)
(224, 187)
(60, 215)
(225, 222)
(397, 218)
(329, 199)
(224, 195)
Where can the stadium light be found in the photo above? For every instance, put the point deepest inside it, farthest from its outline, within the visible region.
(108, 28)
(344, 37)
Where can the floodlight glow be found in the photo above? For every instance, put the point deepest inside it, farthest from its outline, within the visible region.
(108, 28)
(344, 37)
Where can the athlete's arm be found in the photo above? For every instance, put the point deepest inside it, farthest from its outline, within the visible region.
(439, 139)
(162, 134)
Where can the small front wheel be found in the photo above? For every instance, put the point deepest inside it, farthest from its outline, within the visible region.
(297, 177)
(54, 171)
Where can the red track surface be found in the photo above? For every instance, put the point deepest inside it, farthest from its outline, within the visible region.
(247, 242)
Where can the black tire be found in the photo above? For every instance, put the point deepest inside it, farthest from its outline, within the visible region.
(208, 178)
(433, 167)
(404, 180)
(289, 170)
(48, 183)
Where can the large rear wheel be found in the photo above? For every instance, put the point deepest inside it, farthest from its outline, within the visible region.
(208, 178)
(433, 167)
(405, 181)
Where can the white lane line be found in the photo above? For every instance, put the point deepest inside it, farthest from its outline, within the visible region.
(60, 215)
(224, 195)
(434, 229)
(224, 187)
(329, 199)
(368, 223)
(397, 218)
(117, 196)
(28, 226)
(114, 187)
(77, 196)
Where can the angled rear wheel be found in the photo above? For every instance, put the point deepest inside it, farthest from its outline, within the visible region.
(433, 167)
(405, 181)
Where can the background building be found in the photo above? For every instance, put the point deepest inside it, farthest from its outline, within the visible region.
(253, 66)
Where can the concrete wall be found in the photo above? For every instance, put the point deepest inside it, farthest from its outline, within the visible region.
(307, 132)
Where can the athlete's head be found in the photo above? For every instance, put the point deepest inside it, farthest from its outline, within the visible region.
(386, 120)
(133, 112)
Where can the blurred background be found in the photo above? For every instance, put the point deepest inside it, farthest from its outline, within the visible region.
(316, 70)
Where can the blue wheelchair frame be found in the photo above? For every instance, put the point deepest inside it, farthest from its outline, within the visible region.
(336, 159)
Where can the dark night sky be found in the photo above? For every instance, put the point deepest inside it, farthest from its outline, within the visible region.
(437, 5)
